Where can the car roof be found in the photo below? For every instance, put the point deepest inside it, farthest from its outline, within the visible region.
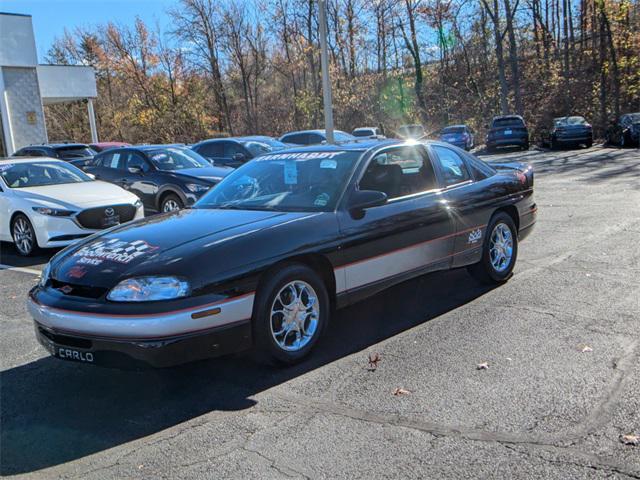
(460, 125)
(13, 160)
(147, 147)
(62, 145)
(355, 146)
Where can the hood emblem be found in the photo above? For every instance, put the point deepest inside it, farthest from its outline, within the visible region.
(77, 272)
(67, 289)
(109, 212)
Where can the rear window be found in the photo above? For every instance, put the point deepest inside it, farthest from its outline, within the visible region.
(453, 130)
(75, 152)
(508, 122)
(563, 121)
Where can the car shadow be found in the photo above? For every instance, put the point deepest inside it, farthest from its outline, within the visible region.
(9, 256)
(55, 412)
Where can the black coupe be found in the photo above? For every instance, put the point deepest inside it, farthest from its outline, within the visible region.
(263, 258)
(164, 177)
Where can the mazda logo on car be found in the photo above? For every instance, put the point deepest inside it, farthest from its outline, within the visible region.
(109, 212)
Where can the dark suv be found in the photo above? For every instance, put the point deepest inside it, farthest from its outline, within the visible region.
(165, 177)
(625, 131)
(508, 131)
(78, 154)
(568, 131)
(235, 151)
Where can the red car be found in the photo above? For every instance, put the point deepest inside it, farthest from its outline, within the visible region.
(100, 146)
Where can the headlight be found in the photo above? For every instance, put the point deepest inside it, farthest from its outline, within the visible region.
(53, 212)
(148, 289)
(44, 276)
(137, 203)
(197, 188)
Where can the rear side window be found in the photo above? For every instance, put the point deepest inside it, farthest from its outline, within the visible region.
(231, 148)
(480, 169)
(211, 149)
(111, 160)
(314, 138)
(452, 165)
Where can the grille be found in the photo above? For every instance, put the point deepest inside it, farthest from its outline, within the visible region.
(78, 290)
(97, 218)
(65, 340)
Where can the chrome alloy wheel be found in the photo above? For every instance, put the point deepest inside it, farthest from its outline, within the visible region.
(295, 313)
(170, 206)
(501, 247)
(23, 236)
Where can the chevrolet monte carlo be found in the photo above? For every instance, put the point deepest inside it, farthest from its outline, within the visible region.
(263, 258)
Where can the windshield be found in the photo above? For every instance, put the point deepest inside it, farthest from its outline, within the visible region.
(39, 174)
(175, 158)
(260, 147)
(75, 152)
(635, 117)
(304, 182)
(560, 122)
(452, 130)
(364, 132)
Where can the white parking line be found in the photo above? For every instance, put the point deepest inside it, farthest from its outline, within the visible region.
(20, 269)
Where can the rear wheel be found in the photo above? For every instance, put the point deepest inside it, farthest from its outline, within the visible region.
(290, 314)
(499, 251)
(24, 236)
(171, 203)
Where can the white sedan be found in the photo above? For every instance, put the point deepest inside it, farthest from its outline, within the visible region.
(49, 203)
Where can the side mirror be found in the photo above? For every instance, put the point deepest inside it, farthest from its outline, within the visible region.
(239, 157)
(362, 199)
(135, 169)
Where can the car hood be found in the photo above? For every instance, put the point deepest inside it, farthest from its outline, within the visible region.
(209, 174)
(160, 245)
(76, 196)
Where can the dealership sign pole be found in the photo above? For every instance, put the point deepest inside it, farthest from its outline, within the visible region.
(326, 81)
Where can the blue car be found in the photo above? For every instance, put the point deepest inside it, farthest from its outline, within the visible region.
(458, 135)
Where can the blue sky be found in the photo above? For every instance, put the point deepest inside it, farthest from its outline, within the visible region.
(51, 17)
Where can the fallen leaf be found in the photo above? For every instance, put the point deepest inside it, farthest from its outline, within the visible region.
(482, 366)
(630, 439)
(509, 359)
(586, 349)
(373, 360)
(401, 391)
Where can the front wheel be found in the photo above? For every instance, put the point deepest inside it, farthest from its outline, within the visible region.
(24, 236)
(499, 251)
(171, 203)
(290, 313)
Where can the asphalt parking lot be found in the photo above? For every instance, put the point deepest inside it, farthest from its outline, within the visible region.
(561, 341)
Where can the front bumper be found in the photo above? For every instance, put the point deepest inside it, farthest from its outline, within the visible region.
(52, 232)
(507, 142)
(159, 339)
(148, 353)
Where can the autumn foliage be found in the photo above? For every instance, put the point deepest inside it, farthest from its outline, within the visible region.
(241, 67)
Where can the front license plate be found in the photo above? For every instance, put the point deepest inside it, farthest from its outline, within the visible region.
(72, 354)
(111, 221)
(508, 132)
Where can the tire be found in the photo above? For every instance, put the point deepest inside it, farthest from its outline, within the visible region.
(553, 144)
(589, 143)
(525, 147)
(24, 236)
(274, 347)
(171, 203)
(622, 140)
(486, 271)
